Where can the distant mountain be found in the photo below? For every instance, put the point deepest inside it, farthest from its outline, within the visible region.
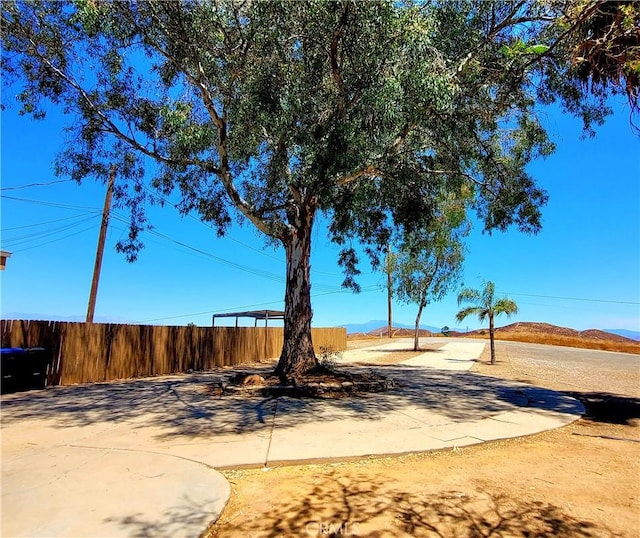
(49, 317)
(634, 335)
(382, 324)
(363, 327)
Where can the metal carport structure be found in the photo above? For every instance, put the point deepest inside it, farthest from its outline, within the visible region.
(266, 315)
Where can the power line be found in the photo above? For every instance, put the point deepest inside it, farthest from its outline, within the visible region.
(34, 185)
(40, 223)
(153, 193)
(245, 307)
(55, 240)
(207, 312)
(572, 298)
(167, 201)
(574, 308)
(95, 212)
(122, 219)
(265, 274)
(51, 204)
(246, 245)
(256, 272)
(45, 233)
(276, 277)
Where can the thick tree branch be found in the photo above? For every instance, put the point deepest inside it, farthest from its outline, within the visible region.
(367, 171)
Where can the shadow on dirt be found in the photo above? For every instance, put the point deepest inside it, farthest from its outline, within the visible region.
(370, 506)
(609, 408)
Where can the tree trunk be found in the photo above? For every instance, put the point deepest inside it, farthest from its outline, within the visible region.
(389, 294)
(491, 339)
(416, 337)
(297, 354)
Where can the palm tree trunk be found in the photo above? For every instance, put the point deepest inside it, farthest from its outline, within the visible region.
(491, 339)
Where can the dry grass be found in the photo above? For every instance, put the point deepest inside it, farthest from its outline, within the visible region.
(362, 340)
(563, 340)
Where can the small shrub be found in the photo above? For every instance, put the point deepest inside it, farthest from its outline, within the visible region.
(329, 357)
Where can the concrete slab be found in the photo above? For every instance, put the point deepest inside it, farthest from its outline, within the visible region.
(375, 352)
(432, 410)
(455, 356)
(78, 491)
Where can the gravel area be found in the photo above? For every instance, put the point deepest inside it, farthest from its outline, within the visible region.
(554, 367)
(366, 342)
(566, 369)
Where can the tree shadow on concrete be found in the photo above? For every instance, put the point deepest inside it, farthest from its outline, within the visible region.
(405, 349)
(369, 506)
(185, 405)
(189, 518)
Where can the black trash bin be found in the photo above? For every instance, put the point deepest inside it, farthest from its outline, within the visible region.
(12, 365)
(24, 369)
(38, 359)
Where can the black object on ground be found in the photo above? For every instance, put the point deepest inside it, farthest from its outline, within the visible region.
(24, 369)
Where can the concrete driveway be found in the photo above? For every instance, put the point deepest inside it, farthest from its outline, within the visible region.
(138, 458)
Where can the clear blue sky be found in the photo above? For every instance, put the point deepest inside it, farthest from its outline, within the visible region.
(582, 270)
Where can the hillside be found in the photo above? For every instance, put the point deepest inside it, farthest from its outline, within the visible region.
(545, 333)
(534, 333)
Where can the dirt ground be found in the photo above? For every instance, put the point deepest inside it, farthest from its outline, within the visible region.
(579, 481)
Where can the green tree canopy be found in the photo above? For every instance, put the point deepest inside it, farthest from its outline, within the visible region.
(274, 111)
(429, 262)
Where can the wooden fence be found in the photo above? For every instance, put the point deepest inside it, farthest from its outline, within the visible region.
(90, 352)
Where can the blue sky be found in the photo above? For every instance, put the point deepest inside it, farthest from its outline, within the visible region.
(581, 271)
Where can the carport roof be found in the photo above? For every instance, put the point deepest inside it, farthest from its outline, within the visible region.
(255, 314)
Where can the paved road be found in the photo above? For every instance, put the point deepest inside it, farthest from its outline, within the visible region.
(557, 367)
(575, 369)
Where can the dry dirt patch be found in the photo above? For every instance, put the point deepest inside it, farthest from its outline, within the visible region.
(579, 481)
(553, 484)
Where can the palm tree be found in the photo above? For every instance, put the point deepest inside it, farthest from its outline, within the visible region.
(485, 306)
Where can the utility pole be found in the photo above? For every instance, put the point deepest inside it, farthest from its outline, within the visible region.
(101, 239)
(389, 294)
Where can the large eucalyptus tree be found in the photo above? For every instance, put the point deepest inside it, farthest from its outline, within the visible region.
(276, 111)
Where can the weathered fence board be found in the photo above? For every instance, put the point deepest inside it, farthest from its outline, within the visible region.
(90, 352)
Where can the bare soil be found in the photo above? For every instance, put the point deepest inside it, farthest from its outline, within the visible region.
(579, 481)
(322, 382)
